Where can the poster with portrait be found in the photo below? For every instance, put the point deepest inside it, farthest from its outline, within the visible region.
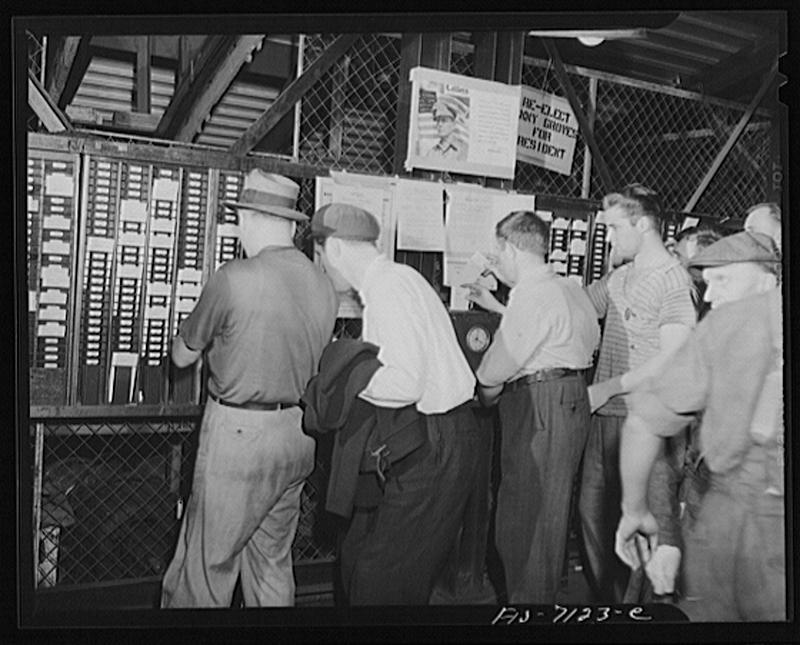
(461, 124)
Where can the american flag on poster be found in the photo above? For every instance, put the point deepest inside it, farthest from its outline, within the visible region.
(462, 124)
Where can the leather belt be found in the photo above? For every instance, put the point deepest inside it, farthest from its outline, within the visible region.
(543, 375)
(252, 405)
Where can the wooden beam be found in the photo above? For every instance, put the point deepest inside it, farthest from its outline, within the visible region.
(227, 69)
(586, 130)
(437, 49)
(60, 63)
(485, 54)
(410, 57)
(754, 60)
(202, 68)
(732, 139)
(151, 152)
(141, 74)
(291, 94)
(510, 51)
(45, 108)
(68, 65)
(124, 120)
(184, 59)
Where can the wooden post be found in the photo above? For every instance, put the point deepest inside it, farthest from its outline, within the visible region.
(38, 474)
(586, 188)
(561, 73)
(142, 74)
(293, 93)
(410, 57)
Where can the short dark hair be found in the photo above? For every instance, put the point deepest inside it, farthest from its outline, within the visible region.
(703, 236)
(637, 201)
(525, 230)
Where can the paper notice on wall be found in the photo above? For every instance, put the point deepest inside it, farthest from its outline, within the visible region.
(419, 212)
(59, 184)
(165, 189)
(462, 124)
(547, 131)
(468, 221)
(507, 203)
(373, 194)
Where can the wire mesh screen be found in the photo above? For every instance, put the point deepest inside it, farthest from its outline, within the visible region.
(349, 116)
(36, 63)
(669, 142)
(110, 496)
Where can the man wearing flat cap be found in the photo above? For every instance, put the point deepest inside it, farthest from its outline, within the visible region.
(395, 548)
(730, 368)
(450, 115)
(261, 324)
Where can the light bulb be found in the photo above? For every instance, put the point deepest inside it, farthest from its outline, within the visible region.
(591, 41)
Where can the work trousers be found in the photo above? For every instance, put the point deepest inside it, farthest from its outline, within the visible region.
(394, 552)
(543, 432)
(243, 510)
(599, 510)
(735, 560)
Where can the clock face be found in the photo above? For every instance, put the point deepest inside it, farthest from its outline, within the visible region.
(478, 338)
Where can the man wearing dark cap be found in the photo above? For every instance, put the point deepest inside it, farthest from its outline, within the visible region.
(730, 368)
(393, 552)
(262, 322)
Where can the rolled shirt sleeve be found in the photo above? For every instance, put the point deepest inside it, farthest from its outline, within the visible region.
(208, 318)
(667, 403)
(598, 295)
(523, 330)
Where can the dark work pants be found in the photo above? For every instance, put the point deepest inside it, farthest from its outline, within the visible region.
(393, 553)
(544, 428)
(735, 560)
(599, 509)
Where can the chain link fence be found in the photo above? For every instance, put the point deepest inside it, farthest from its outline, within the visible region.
(109, 499)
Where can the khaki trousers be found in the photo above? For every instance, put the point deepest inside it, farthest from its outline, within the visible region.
(243, 510)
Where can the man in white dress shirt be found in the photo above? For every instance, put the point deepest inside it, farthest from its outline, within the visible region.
(537, 359)
(393, 552)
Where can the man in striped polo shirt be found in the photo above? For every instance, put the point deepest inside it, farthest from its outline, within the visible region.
(648, 312)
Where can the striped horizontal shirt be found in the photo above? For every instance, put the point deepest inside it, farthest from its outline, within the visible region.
(635, 304)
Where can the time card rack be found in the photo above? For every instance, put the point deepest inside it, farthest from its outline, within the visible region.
(118, 253)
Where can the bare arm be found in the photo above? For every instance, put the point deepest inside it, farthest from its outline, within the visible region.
(671, 337)
(638, 451)
(182, 355)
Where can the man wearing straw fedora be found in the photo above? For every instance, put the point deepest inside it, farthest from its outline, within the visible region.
(261, 323)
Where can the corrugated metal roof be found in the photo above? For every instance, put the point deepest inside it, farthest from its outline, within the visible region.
(107, 86)
(242, 104)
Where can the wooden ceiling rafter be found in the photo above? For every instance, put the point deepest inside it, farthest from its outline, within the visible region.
(69, 63)
(211, 72)
(45, 108)
(291, 94)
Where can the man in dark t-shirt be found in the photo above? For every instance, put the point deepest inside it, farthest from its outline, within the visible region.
(262, 323)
